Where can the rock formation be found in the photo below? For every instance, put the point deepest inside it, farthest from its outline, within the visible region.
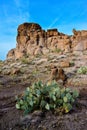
(58, 74)
(33, 40)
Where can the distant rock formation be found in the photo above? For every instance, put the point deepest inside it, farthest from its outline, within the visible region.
(33, 40)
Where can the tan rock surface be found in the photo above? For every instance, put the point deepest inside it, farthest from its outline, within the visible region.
(31, 36)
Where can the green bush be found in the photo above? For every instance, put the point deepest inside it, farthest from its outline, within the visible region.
(25, 60)
(82, 70)
(1, 61)
(72, 63)
(57, 50)
(48, 96)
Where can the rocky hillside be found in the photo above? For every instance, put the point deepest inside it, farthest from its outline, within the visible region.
(43, 56)
(33, 40)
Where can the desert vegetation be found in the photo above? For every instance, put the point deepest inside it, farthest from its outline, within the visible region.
(50, 96)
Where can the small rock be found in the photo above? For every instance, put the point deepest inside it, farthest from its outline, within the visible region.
(65, 64)
(15, 71)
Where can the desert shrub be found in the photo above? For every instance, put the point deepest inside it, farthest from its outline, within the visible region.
(1, 62)
(47, 97)
(57, 50)
(25, 60)
(72, 63)
(82, 70)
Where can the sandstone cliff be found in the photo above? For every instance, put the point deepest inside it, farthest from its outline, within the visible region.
(33, 40)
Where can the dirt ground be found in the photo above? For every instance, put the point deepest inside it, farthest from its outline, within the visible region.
(12, 119)
(12, 84)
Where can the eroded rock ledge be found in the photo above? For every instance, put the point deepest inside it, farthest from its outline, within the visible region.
(33, 40)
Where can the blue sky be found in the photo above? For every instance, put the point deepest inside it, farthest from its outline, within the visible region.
(61, 14)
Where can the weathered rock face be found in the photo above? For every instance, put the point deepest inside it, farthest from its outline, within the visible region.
(79, 40)
(33, 40)
(11, 53)
(29, 39)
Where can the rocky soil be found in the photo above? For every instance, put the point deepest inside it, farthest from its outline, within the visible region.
(16, 75)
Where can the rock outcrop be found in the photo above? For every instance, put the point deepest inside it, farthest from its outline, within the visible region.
(58, 74)
(33, 40)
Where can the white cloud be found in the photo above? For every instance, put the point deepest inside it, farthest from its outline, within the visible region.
(16, 13)
(53, 22)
